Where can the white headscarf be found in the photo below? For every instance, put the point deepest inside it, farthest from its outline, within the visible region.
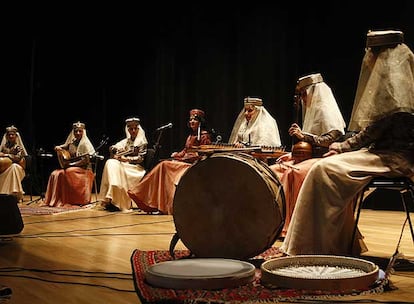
(321, 113)
(141, 139)
(386, 81)
(85, 146)
(19, 142)
(262, 130)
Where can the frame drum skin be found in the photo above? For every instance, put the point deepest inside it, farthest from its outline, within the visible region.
(229, 206)
(319, 272)
(200, 273)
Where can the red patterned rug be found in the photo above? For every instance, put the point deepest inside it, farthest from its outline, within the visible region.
(28, 210)
(254, 291)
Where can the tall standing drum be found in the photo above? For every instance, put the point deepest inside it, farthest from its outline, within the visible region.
(229, 206)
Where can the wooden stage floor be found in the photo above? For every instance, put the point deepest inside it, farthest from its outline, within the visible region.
(96, 240)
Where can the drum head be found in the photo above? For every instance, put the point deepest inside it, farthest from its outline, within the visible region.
(196, 273)
(227, 206)
(320, 272)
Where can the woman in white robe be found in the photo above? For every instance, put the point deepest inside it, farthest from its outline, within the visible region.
(124, 169)
(12, 163)
(255, 126)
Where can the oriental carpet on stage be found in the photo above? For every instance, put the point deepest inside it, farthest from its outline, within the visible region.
(251, 293)
(36, 209)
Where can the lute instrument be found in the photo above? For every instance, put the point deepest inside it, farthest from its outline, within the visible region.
(6, 162)
(121, 153)
(65, 158)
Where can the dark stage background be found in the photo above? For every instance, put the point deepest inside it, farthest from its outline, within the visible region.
(101, 64)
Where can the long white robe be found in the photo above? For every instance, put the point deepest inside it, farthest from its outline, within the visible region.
(11, 180)
(323, 218)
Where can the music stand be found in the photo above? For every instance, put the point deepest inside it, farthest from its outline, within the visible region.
(43, 155)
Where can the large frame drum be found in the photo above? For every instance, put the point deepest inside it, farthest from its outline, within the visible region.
(229, 206)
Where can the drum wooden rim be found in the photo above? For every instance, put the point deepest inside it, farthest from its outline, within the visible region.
(200, 273)
(319, 272)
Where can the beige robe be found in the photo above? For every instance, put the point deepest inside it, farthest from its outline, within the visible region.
(323, 218)
(11, 180)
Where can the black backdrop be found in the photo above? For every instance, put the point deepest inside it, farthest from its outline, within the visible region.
(101, 65)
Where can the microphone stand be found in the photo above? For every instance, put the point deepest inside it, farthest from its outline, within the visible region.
(42, 155)
(157, 146)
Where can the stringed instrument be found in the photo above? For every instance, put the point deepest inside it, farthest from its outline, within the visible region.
(267, 153)
(115, 153)
(261, 152)
(222, 147)
(6, 162)
(301, 150)
(65, 158)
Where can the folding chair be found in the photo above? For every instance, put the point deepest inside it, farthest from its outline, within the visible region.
(402, 184)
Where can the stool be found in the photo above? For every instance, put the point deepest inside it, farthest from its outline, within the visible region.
(402, 184)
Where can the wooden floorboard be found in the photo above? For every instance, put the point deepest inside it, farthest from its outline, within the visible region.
(92, 248)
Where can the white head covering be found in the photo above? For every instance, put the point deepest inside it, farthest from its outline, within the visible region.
(85, 146)
(262, 130)
(386, 80)
(321, 113)
(19, 140)
(141, 139)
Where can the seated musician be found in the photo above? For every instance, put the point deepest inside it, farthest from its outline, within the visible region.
(322, 124)
(254, 126)
(125, 167)
(156, 190)
(383, 115)
(72, 183)
(12, 170)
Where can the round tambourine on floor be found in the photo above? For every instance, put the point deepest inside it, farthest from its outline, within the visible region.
(319, 272)
(200, 273)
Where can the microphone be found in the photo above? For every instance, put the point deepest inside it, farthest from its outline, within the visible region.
(43, 154)
(167, 126)
(46, 155)
(96, 156)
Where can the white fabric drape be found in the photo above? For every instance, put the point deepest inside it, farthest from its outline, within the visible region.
(385, 76)
(262, 130)
(321, 113)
